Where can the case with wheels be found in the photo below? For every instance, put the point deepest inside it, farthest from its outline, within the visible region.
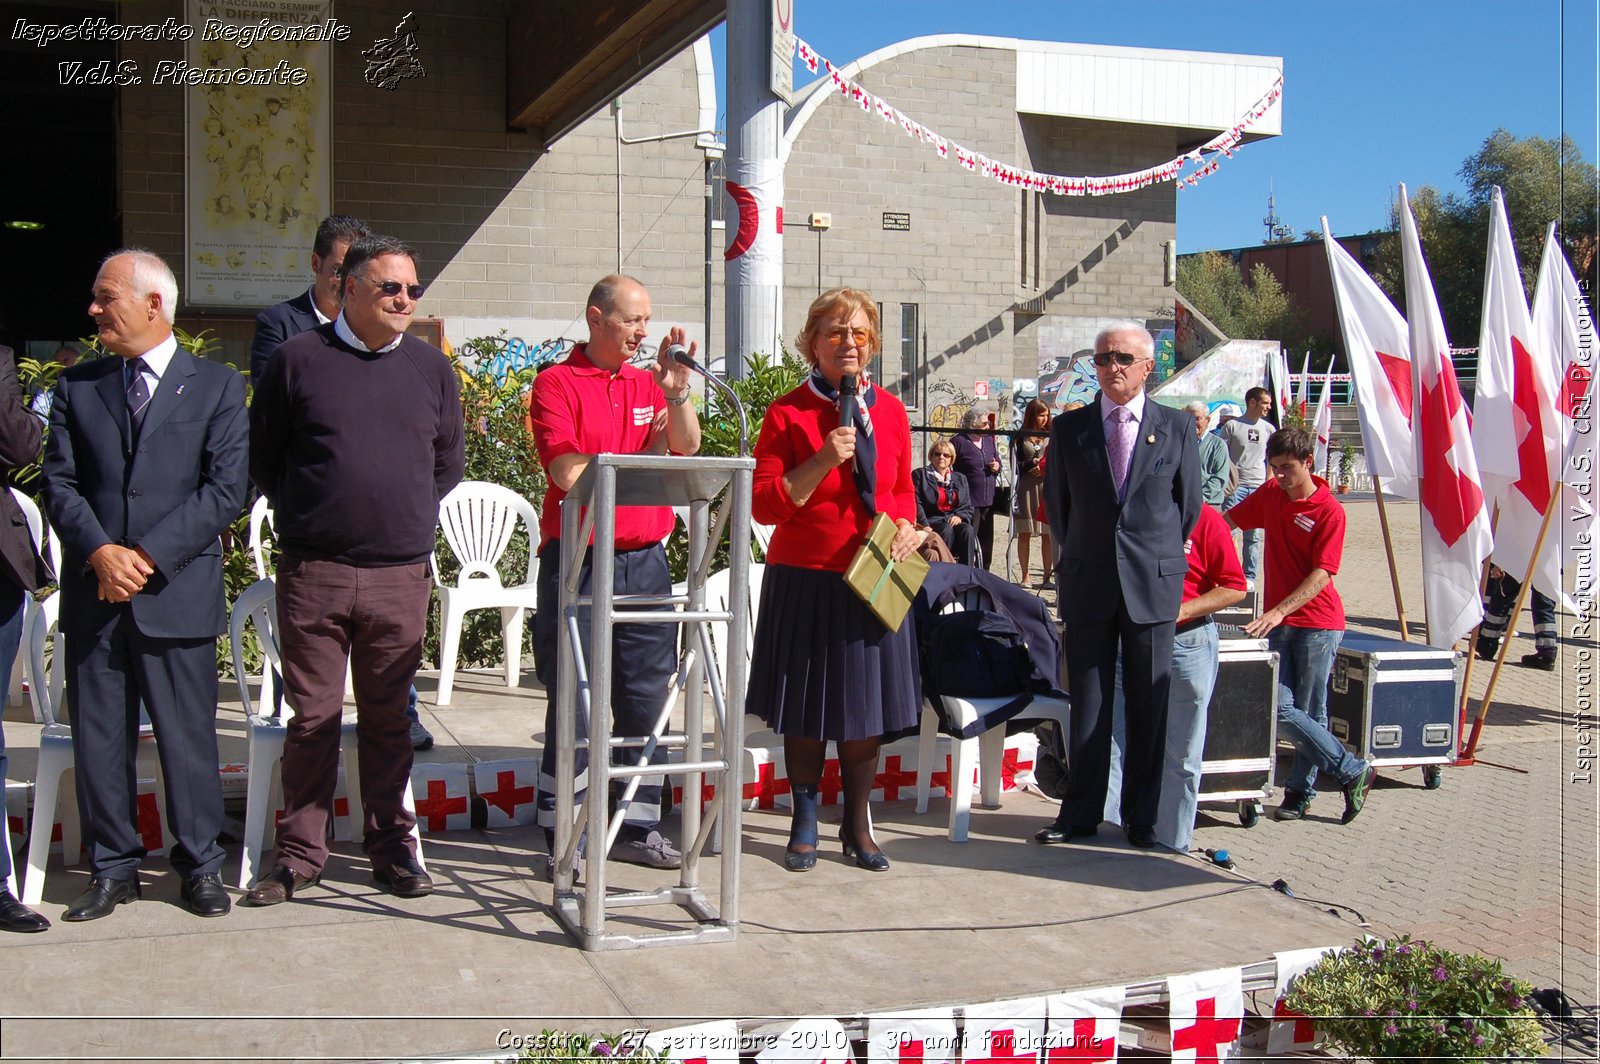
(1395, 703)
(1241, 725)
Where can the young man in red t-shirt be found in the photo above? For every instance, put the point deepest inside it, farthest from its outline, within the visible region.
(1305, 540)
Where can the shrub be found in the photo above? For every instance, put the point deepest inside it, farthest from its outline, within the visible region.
(1400, 999)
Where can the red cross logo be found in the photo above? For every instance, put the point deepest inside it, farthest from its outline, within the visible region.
(892, 778)
(1010, 764)
(1208, 1034)
(506, 795)
(1397, 371)
(437, 806)
(766, 787)
(831, 785)
(1083, 1045)
(1003, 1050)
(910, 1051)
(1574, 386)
(1535, 480)
(1305, 1030)
(1452, 500)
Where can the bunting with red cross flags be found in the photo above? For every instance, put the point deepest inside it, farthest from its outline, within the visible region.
(440, 791)
(1003, 1032)
(716, 1042)
(920, 1036)
(1291, 1031)
(1206, 1010)
(810, 1040)
(1084, 1025)
(508, 788)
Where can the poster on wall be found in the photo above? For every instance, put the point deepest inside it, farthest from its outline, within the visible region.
(257, 181)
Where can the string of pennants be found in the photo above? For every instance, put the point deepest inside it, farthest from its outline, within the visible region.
(1173, 169)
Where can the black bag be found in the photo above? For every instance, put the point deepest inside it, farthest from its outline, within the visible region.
(1050, 761)
(976, 653)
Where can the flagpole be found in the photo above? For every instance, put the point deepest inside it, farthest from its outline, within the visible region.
(1511, 623)
(1472, 639)
(1388, 550)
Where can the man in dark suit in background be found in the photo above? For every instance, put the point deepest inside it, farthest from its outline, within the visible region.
(144, 468)
(1122, 491)
(21, 572)
(317, 305)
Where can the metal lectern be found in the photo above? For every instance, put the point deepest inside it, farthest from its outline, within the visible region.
(591, 507)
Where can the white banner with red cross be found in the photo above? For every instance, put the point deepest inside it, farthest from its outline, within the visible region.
(1003, 1032)
(701, 1043)
(1206, 1010)
(509, 788)
(443, 802)
(920, 1036)
(1291, 1031)
(810, 1040)
(1084, 1025)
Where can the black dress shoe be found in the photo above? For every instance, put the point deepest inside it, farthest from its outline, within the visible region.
(1144, 838)
(1058, 833)
(101, 898)
(15, 916)
(404, 879)
(205, 895)
(278, 886)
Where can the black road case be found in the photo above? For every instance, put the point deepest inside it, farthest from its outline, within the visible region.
(1241, 725)
(1395, 703)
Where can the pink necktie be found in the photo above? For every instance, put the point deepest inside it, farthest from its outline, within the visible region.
(1120, 447)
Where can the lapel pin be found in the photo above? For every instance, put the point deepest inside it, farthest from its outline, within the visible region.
(181, 387)
(1150, 438)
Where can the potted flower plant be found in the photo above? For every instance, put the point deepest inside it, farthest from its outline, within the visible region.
(1401, 1000)
(1347, 464)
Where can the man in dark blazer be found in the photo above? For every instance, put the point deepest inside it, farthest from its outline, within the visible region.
(144, 468)
(21, 572)
(317, 305)
(1122, 491)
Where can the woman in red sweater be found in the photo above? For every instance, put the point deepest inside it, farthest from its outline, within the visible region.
(824, 667)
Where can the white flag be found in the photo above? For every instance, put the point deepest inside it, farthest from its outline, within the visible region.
(1455, 522)
(921, 1036)
(1323, 423)
(1303, 403)
(1291, 1031)
(1003, 1032)
(1563, 330)
(809, 1040)
(716, 1042)
(1206, 1010)
(1084, 1025)
(1515, 432)
(1278, 376)
(1379, 348)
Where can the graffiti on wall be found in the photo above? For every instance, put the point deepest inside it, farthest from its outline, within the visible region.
(1222, 376)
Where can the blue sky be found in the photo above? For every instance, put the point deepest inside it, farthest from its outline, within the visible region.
(1374, 93)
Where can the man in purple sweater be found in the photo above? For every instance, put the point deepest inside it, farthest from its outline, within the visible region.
(355, 436)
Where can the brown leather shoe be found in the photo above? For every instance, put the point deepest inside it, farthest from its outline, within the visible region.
(278, 886)
(405, 879)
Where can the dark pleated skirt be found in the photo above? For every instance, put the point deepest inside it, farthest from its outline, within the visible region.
(823, 667)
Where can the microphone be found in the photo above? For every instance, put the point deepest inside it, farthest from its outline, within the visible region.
(680, 354)
(847, 400)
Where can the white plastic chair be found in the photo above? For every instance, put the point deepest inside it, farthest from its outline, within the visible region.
(261, 516)
(268, 725)
(46, 687)
(44, 542)
(985, 753)
(478, 520)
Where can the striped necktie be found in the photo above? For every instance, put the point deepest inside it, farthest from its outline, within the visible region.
(138, 394)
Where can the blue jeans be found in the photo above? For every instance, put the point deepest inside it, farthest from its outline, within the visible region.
(1194, 673)
(1252, 536)
(1305, 662)
(11, 601)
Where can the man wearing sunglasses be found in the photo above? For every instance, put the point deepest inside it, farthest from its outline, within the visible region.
(355, 436)
(1122, 491)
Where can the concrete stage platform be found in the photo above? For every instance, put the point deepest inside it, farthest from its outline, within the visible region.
(348, 972)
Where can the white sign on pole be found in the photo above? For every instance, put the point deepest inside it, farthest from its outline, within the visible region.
(782, 78)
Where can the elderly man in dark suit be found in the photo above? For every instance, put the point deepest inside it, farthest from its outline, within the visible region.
(144, 468)
(1122, 491)
(317, 305)
(21, 572)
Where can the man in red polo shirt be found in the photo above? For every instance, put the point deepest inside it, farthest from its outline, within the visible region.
(593, 403)
(1305, 542)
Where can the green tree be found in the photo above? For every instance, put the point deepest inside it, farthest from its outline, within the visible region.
(1255, 310)
(1543, 181)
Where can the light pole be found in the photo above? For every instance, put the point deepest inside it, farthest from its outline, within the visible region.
(819, 222)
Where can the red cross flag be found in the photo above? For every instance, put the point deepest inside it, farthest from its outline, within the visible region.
(923, 1036)
(1290, 1031)
(1206, 1010)
(810, 1040)
(1278, 375)
(1514, 427)
(1379, 347)
(1455, 522)
(440, 792)
(508, 788)
(1324, 421)
(1083, 1025)
(702, 1043)
(1563, 331)
(1003, 1032)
